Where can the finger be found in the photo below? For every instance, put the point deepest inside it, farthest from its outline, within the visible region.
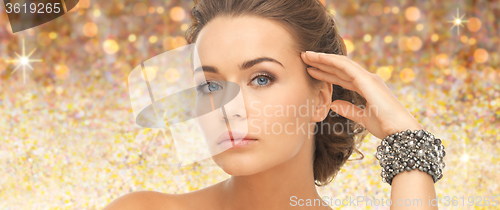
(340, 62)
(330, 69)
(330, 78)
(348, 110)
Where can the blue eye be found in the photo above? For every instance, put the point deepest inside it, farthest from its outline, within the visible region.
(207, 87)
(263, 79)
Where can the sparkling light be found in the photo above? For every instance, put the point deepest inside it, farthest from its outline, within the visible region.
(151, 10)
(387, 10)
(132, 38)
(458, 21)
(52, 35)
(407, 75)
(160, 10)
(367, 37)
(481, 55)
(395, 10)
(435, 37)
(184, 27)
(173, 42)
(23, 60)
(474, 24)
(412, 14)
(333, 12)
(388, 39)
(110, 46)
(420, 27)
(464, 158)
(442, 60)
(61, 71)
(153, 39)
(349, 45)
(464, 38)
(439, 81)
(97, 13)
(177, 13)
(90, 29)
(384, 72)
(414, 43)
(472, 41)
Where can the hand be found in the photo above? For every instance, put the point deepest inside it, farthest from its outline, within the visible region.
(383, 114)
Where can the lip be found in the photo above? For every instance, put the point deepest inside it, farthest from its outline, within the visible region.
(237, 134)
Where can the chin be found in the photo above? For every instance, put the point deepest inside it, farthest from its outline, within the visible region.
(242, 163)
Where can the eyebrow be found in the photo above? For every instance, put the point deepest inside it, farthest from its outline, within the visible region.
(245, 65)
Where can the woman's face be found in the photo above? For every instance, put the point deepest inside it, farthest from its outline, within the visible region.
(278, 102)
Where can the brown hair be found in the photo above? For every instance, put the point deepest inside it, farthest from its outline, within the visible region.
(312, 28)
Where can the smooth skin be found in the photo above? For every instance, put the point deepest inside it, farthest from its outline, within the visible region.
(264, 177)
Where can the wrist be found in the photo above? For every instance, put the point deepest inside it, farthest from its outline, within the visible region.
(411, 127)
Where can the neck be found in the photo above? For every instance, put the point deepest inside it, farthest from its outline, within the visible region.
(280, 187)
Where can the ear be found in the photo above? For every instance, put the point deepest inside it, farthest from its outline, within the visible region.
(324, 100)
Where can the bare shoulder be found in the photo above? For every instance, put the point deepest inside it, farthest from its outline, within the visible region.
(145, 200)
(205, 198)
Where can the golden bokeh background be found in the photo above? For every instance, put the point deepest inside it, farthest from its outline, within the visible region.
(68, 139)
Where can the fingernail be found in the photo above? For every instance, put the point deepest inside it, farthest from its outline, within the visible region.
(309, 51)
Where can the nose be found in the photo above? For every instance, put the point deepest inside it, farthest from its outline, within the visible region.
(234, 110)
(228, 114)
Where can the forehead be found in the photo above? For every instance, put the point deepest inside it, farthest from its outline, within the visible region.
(243, 38)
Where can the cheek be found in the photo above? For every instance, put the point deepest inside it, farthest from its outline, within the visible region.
(283, 109)
(288, 121)
(282, 121)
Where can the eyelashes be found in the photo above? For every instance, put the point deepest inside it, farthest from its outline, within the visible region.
(207, 85)
(213, 85)
(266, 75)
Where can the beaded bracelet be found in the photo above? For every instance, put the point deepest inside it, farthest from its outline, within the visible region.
(407, 150)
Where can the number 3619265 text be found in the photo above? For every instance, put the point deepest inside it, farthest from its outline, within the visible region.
(33, 8)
